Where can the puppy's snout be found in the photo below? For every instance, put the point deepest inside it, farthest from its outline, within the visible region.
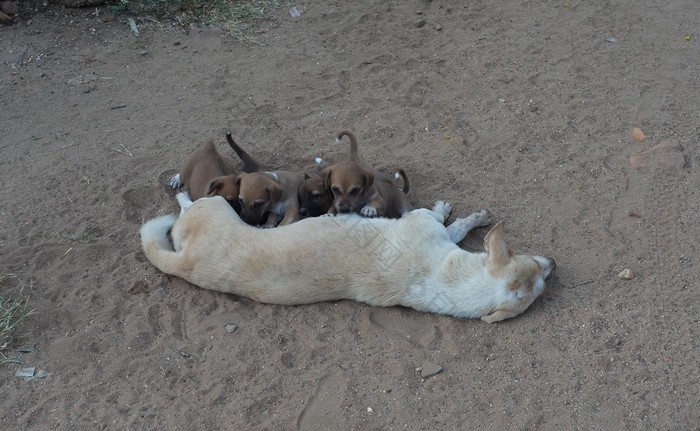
(303, 211)
(343, 208)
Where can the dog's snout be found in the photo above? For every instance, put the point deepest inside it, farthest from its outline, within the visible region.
(343, 208)
(303, 211)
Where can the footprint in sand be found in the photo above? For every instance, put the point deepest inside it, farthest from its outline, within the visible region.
(397, 322)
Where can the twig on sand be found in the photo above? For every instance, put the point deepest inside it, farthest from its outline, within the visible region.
(583, 283)
(123, 151)
(132, 25)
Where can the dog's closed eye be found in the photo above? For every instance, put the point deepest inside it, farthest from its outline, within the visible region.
(355, 190)
(336, 190)
(258, 203)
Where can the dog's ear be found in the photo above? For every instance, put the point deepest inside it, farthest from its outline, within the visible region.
(496, 248)
(214, 187)
(326, 177)
(238, 179)
(274, 190)
(498, 315)
(368, 179)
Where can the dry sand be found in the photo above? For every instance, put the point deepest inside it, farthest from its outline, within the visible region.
(523, 108)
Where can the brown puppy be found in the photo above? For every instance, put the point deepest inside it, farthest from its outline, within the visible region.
(314, 198)
(269, 198)
(358, 189)
(206, 173)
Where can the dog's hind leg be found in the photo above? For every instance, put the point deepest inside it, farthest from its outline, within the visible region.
(184, 200)
(461, 227)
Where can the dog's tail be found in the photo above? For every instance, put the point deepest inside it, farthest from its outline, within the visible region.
(353, 144)
(249, 163)
(400, 173)
(157, 246)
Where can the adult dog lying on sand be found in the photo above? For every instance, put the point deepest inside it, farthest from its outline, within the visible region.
(412, 261)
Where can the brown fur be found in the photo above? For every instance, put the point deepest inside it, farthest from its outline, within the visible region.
(269, 198)
(362, 190)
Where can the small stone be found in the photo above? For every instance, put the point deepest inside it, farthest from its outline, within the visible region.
(419, 12)
(430, 369)
(638, 135)
(438, 27)
(626, 274)
(611, 39)
(370, 410)
(143, 52)
(420, 23)
(231, 328)
(9, 8)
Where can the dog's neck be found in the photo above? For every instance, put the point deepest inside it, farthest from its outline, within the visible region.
(462, 287)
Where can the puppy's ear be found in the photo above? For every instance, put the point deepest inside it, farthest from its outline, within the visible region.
(368, 179)
(275, 192)
(496, 248)
(238, 179)
(214, 187)
(326, 177)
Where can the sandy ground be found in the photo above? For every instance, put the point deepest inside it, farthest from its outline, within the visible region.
(522, 107)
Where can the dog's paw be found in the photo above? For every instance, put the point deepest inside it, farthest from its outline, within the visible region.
(368, 211)
(443, 208)
(174, 182)
(327, 215)
(480, 218)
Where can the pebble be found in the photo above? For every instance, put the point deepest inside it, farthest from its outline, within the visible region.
(231, 328)
(438, 27)
(419, 23)
(9, 8)
(626, 274)
(638, 135)
(430, 369)
(611, 39)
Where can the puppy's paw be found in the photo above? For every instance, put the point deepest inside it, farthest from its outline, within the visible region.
(368, 211)
(328, 215)
(268, 226)
(443, 208)
(174, 182)
(480, 218)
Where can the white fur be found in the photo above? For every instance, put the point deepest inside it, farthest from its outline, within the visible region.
(175, 181)
(412, 261)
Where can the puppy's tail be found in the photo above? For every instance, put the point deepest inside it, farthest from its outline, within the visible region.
(157, 246)
(400, 173)
(353, 144)
(249, 163)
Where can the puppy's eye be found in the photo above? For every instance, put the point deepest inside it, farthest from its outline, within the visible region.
(258, 204)
(240, 201)
(335, 190)
(354, 190)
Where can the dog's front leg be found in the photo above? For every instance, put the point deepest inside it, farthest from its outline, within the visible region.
(461, 227)
(291, 215)
(272, 220)
(374, 208)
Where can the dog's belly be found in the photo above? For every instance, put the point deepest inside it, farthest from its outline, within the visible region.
(344, 257)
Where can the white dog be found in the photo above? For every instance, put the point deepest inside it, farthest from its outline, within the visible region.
(412, 261)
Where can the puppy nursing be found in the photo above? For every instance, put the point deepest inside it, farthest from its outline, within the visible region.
(358, 189)
(390, 253)
(413, 261)
(206, 173)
